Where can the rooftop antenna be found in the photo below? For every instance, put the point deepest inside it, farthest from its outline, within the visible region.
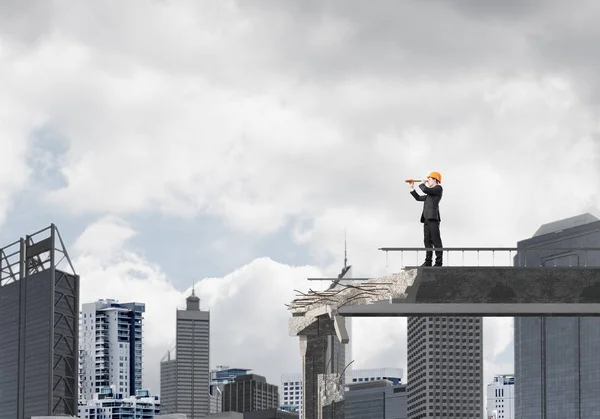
(346, 267)
(193, 287)
(345, 251)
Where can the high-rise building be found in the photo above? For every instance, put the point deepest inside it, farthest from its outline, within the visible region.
(445, 367)
(111, 347)
(248, 393)
(501, 397)
(290, 394)
(218, 378)
(185, 379)
(375, 399)
(39, 305)
(557, 369)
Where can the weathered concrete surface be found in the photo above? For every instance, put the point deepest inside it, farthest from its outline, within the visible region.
(475, 291)
(492, 291)
(313, 349)
(331, 396)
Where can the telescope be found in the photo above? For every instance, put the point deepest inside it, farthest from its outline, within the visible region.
(414, 180)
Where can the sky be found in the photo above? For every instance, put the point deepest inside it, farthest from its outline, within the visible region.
(235, 144)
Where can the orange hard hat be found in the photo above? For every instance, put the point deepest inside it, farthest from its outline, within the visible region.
(436, 175)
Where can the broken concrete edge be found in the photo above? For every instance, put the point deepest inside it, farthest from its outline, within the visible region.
(331, 388)
(372, 291)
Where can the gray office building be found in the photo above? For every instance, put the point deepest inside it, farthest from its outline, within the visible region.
(39, 308)
(379, 399)
(185, 380)
(557, 364)
(248, 393)
(445, 367)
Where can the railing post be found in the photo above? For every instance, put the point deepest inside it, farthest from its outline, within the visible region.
(386, 258)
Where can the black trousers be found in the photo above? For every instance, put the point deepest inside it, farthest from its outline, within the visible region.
(432, 238)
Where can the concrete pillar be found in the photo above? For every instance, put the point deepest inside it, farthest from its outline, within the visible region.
(315, 360)
(331, 396)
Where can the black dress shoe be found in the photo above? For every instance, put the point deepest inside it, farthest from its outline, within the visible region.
(438, 264)
(426, 264)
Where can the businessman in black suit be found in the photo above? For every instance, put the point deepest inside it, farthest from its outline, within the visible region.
(430, 217)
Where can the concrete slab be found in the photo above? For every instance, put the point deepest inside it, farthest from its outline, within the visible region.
(491, 291)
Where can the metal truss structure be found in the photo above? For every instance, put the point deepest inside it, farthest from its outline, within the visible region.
(35, 253)
(38, 278)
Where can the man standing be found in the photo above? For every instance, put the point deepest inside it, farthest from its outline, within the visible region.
(430, 217)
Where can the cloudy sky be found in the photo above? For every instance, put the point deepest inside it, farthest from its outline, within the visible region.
(233, 143)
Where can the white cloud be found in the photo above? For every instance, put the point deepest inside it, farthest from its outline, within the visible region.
(258, 147)
(247, 306)
(16, 123)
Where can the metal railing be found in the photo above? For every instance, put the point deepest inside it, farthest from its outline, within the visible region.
(498, 256)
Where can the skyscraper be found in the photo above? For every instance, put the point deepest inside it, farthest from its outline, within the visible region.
(445, 367)
(501, 397)
(218, 378)
(185, 380)
(249, 393)
(111, 347)
(557, 368)
(375, 399)
(39, 300)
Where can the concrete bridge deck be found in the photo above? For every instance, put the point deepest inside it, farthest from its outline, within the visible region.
(491, 291)
(461, 291)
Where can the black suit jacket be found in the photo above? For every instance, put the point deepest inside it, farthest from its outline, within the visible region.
(431, 204)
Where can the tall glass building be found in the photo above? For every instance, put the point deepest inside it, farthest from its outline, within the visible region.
(557, 364)
(110, 347)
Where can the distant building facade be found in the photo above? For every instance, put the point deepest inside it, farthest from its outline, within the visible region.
(109, 405)
(258, 414)
(291, 384)
(110, 348)
(39, 312)
(445, 367)
(218, 378)
(394, 375)
(375, 399)
(501, 397)
(248, 393)
(291, 393)
(185, 379)
(557, 368)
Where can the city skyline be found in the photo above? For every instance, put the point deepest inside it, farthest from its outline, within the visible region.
(101, 314)
(235, 145)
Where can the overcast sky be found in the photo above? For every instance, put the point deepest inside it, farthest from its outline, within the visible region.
(233, 143)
